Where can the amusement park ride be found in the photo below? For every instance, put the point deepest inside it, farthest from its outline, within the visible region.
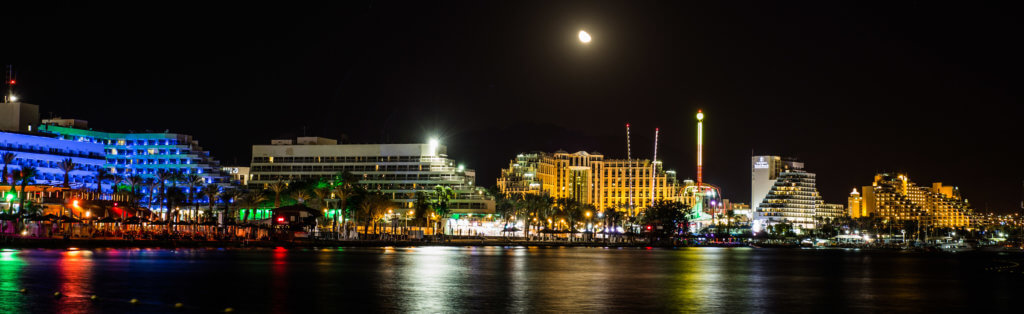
(705, 200)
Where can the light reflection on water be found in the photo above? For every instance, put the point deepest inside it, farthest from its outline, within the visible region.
(10, 281)
(489, 279)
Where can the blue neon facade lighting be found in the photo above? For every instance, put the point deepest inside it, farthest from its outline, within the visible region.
(145, 154)
(45, 153)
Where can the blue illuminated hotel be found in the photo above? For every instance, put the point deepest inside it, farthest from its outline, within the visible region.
(45, 153)
(143, 154)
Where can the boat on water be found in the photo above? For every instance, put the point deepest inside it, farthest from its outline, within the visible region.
(955, 247)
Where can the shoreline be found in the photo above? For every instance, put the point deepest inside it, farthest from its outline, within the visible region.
(169, 244)
(74, 244)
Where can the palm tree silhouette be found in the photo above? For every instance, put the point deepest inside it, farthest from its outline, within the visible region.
(211, 191)
(101, 175)
(162, 176)
(8, 158)
(194, 180)
(67, 165)
(26, 174)
(252, 199)
(277, 187)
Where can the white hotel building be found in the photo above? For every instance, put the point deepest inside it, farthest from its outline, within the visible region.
(782, 192)
(397, 170)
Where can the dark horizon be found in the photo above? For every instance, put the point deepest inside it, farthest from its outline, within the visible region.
(850, 89)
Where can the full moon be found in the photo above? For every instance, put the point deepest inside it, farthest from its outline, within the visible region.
(584, 37)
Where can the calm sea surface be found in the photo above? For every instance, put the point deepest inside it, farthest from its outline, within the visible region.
(514, 279)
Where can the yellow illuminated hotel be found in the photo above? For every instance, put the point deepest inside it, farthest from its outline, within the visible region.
(894, 196)
(591, 179)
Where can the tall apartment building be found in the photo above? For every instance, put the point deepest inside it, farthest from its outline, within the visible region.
(142, 154)
(764, 172)
(399, 171)
(590, 178)
(521, 175)
(790, 194)
(894, 196)
(855, 204)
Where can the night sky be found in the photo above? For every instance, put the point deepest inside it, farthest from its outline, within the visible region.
(850, 88)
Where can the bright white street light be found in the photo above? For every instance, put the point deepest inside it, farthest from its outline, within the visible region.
(584, 37)
(14, 98)
(433, 143)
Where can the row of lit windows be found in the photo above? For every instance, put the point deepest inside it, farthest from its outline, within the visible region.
(386, 177)
(337, 159)
(150, 151)
(152, 161)
(346, 168)
(120, 142)
(38, 163)
(50, 151)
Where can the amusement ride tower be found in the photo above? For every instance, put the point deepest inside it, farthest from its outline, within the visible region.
(705, 200)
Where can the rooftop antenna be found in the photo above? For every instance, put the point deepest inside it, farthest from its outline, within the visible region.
(10, 85)
(654, 165)
(629, 170)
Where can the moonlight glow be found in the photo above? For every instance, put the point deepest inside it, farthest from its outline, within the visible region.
(584, 37)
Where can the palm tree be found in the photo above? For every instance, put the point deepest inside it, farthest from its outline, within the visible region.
(277, 187)
(151, 186)
(505, 205)
(300, 196)
(67, 165)
(101, 175)
(162, 176)
(372, 208)
(117, 184)
(252, 200)
(421, 207)
(520, 208)
(442, 203)
(229, 198)
(537, 207)
(135, 181)
(194, 180)
(320, 197)
(343, 189)
(211, 191)
(572, 212)
(174, 178)
(25, 175)
(342, 193)
(8, 158)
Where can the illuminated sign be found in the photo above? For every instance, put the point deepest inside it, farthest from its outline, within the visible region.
(760, 163)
